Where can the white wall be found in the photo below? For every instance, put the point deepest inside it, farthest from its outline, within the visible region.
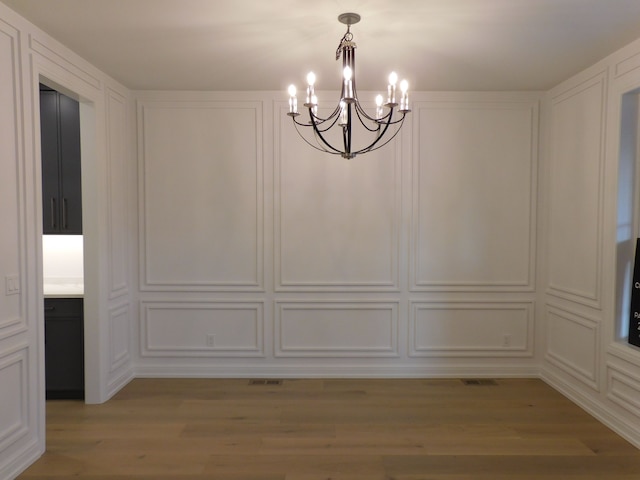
(261, 256)
(21, 427)
(590, 214)
(28, 56)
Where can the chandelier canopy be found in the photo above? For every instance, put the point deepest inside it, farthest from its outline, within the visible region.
(381, 126)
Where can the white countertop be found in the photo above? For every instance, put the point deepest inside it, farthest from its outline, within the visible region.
(63, 287)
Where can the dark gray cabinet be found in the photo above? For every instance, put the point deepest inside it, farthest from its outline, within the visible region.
(64, 347)
(61, 173)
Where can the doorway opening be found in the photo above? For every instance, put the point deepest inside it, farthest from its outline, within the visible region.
(77, 250)
(62, 244)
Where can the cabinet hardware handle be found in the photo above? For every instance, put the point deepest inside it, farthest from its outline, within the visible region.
(64, 214)
(49, 309)
(53, 213)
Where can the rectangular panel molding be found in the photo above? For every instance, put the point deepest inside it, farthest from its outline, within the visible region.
(118, 191)
(572, 344)
(201, 195)
(471, 329)
(119, 334)
(624, 389)
(576, 192)
(202, 329)
(468, 157)
(12, 302)
(14, 400)
(336, 329)
(337, 222)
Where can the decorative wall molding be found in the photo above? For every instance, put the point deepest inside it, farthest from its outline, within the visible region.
(450, 249)
(576, 171)
(12, 321)
(624, 351)
(471, 329)
(184, 245)
(628, 64)
(117, 192)
(592, 404)
(14, 401)
(336, 328)
(215, 328)
(573, 344)
(69, 69)
(119, 337)
(337, 222)
(623, 388)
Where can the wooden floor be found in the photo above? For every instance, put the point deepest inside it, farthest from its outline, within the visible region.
(185, 429)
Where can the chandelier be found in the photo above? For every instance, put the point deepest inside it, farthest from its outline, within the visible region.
(381, 126)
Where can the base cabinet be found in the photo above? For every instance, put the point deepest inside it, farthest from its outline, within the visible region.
(64, 348)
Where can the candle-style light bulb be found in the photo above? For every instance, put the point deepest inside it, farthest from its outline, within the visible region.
(379, 101)
(343, 114)
(311, 80)
(393, 79)
(293, 101)
(404, 101)
(347, 73)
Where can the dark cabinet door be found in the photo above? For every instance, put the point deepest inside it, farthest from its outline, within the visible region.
(61, 171)
(50, 165)
(64, 348)
(70, 179)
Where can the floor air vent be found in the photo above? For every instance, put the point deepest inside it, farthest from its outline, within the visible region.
(479, 381)
(264, 381)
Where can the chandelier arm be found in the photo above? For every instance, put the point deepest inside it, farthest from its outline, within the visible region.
(400, 120)
(359, 111)
(336, 152)
(381, 135)
(318, 135)
(371, 148)
(322, 130)
(333, 117)
(363, 113)
(320, 120)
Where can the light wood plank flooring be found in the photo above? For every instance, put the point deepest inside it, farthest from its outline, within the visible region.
(339, 429)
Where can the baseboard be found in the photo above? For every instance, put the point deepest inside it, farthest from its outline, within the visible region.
(593, 407)
(342, 371)
(119, 382)
(22, 461)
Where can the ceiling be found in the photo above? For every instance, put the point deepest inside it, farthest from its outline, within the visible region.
(267, 44)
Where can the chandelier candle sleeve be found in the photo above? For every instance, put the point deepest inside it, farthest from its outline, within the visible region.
(311, 79)
(404, 99)
(343, 114)
(379, 125)
(393, 79)
(379, 111)
(293, 100)
(348, 84)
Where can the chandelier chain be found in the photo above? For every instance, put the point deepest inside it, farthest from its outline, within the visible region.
(347, 38)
